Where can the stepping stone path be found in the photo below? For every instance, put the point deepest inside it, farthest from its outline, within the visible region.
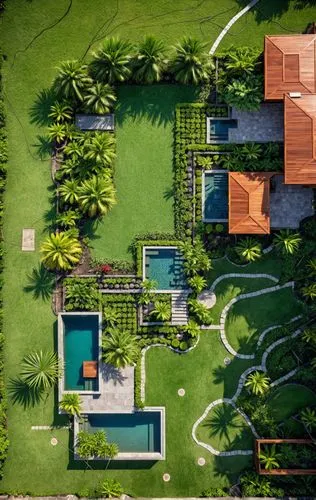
(166, 478)
(201, 461)
(28, 240)
(53, 441)
(207, 298)
(181, 392)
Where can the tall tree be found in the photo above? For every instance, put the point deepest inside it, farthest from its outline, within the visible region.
(150, 60)
(100, 98)
(72, 80)
(61, 251)
(96, 196)
(111, 63)
(119, 348)
(191, 63)
(71, 404)
(258, 383)
(249, 249)
(287, 241)
(40, 370)
(100, 148)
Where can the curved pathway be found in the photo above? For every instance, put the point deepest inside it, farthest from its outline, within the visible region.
(230, 23)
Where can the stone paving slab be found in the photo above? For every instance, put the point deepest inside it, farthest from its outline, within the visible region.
(28, 240)
(265, 125)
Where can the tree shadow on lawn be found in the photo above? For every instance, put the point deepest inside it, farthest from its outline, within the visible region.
(221, 420)
(44, 147)
(270, 9)
(156, 103)
(41, 283)
(20, 393)
(40, 109)
(229, 375)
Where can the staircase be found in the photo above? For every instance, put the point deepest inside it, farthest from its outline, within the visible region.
(179, 308)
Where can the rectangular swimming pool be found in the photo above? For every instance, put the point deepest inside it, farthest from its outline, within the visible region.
(218, 129)
(165, 266)
(215, 196)
(137, 432)
(80, 335)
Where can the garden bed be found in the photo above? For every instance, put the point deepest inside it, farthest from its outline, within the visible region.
(302, 444)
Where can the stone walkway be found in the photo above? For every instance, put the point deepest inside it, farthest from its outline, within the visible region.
(265, 125)
(289, 204)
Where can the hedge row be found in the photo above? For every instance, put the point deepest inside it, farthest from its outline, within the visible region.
(4, 442)
(190, 130)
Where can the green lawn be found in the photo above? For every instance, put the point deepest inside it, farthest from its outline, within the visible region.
(143, 169)
(225, 429)
(35, 37)
(248, 318)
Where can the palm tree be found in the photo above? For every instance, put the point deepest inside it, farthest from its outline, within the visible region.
(197, 283)
(192, 328)
(100, 148)
(309, 291)
(161, 311)
(258, 383)
(71, 404)
(60, 111)
(119, 348)
(96, 196)
(61, 251)
(287, 242)
(40, 370)
(68, 219)
(249, 249)
(191, 63)
(148, 289)
(72, 80)
(204, 161)
(308, 417)
(311, 265)
(241, 60)
(251, 151)
(110, 488)
(110, 317)
(112, 450)
(269, 458)
(69, 191)
(150, 60)
(100, 98)
(309, 335)
(74, 149)
(111, 63)
(57, 132)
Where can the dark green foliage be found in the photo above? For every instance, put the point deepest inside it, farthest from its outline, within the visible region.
(82, 294)
(124, 306)
(214, 492)
(253, 485)
(4, 442)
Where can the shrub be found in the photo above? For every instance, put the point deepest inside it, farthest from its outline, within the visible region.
(214, 492)
(244, 93)
(219, 228)
(183, 346)
(175, 343)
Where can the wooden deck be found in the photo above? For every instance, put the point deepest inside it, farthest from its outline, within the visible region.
(90, 369)
(289, 65)
(249, 202)
(300, 139)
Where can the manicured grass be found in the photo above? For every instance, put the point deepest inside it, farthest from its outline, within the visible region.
(204, 377)
(249, 317)
(143, 169)
(281, 17)
(225, 429)
(232, 287)
(288, 400)
(33, 465)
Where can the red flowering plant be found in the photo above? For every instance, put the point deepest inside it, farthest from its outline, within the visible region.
(105, 268)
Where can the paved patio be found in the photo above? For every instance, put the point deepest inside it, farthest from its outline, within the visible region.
(289, 204)
(265, 125)
(117, 392)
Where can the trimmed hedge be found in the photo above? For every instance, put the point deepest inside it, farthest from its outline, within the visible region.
(189, 130)
(4, 442)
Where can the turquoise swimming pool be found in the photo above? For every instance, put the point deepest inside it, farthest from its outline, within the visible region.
(138, 432)
(81, 343)
(165, 266)
(216, 196)
(218, 129)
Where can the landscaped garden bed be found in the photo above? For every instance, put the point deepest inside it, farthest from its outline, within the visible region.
(286, 456)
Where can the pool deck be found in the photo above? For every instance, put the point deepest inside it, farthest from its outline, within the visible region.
(117, 392)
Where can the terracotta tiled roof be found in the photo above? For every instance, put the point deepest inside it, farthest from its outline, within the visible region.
(249, 202)
(290, 65)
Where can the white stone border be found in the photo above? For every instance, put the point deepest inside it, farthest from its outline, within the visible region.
(229, 25)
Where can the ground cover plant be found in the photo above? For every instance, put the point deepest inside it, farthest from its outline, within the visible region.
(28, 72)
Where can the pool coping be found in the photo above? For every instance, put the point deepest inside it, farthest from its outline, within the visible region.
(61, 353)
(210, 171)
(150, 456)
(159, 247)
(220, 118)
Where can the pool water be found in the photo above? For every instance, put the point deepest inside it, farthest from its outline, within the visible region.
(165, 266)
(219, 129)
(216, 196)
(81, 343)
(137, 432)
